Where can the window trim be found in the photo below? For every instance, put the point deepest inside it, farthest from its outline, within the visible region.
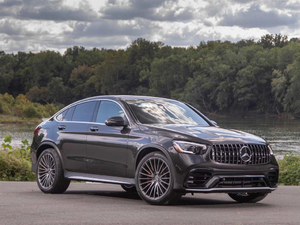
(98, 107)
(62, 113)
(95, 100)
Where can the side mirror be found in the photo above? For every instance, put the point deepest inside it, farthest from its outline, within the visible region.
(116, 121)
(214, 123)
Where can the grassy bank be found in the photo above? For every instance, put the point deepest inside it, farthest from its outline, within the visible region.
(18, 120)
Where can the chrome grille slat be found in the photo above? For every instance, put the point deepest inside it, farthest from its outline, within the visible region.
(230, 154)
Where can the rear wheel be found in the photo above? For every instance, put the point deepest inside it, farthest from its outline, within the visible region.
(129, 188)
(50, 175)
(248, 197)
(154, 180)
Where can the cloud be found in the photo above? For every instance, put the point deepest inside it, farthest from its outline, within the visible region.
(10, 3)
(255, 17)
(112, 28)
(47, 10)
(155, 10)
(34, 25)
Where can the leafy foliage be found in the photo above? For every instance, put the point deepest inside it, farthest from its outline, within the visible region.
(214, 76)
(22, 107)
(15, 164)
(6, 145)
(289, 170)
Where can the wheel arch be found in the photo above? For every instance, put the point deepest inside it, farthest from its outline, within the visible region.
(145, 150)
(46, 145)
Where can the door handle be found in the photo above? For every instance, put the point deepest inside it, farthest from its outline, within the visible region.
(94, 128)
(61, 127)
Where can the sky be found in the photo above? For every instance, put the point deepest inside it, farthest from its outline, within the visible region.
(35, 25)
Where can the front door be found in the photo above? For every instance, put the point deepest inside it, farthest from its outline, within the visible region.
(107, 146)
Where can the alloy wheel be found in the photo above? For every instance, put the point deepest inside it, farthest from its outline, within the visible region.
(46, 171)
(154, 178)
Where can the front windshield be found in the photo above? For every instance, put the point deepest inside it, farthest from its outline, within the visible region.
(162, 111)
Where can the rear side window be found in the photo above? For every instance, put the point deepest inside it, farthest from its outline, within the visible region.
(61, 116)
(69, 114)
(108, 109)
(84, 112)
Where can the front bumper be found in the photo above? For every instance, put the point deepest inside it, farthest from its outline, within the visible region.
(230, 190)
(196, 173)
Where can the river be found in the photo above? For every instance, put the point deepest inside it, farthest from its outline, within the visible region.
(283, 135)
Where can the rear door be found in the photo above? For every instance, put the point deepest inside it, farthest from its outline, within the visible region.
(107, 146)
(72, 133)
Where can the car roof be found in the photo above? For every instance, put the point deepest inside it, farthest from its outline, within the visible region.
(124, 97)
(112, 97)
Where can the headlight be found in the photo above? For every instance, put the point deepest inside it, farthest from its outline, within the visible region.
(270, 149)
(190, 147)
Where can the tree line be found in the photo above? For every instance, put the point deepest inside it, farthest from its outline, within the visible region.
(214, 76)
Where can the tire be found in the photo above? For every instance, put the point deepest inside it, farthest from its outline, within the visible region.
(154, 180)
(129, 188)
(248, 197)
(50, 174)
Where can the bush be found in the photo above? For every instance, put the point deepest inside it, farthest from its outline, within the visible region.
(15, 164)
(15, 168)
(31, 112)
(289, 170)
(22, 107)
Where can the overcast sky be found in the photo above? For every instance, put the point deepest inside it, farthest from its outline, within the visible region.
(34, 25)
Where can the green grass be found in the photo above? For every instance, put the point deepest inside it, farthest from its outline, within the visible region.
(16, 119)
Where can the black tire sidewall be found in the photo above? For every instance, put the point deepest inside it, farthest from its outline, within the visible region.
(130, 189)
(169, 194)
(58, 170)
(251, 198)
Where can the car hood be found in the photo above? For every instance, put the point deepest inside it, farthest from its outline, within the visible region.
(212, 134)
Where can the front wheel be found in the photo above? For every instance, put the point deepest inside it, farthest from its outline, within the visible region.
(154, 180)
(248, 197)
(50, 175)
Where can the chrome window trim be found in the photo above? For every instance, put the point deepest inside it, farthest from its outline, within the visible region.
(68, 107)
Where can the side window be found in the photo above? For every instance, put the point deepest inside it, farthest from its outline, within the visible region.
(69, 114)
(61, 116)
(108, 109)
(84, 112)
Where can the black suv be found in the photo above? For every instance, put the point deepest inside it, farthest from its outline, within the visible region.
(159, 147)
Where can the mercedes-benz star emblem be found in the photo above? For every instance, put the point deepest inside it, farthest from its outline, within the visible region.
(245, 153)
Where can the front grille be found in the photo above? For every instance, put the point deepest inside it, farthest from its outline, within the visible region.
(239, 182)
(230, 154)
(197, 179)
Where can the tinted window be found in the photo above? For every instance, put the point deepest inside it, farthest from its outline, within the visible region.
(69, 115)
(84, 112)
(61, 116)
(165, 112)
(108, 109)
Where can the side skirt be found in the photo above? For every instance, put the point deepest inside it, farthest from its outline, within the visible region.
(98, 178)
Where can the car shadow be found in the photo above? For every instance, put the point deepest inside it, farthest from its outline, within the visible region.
(184, 201)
